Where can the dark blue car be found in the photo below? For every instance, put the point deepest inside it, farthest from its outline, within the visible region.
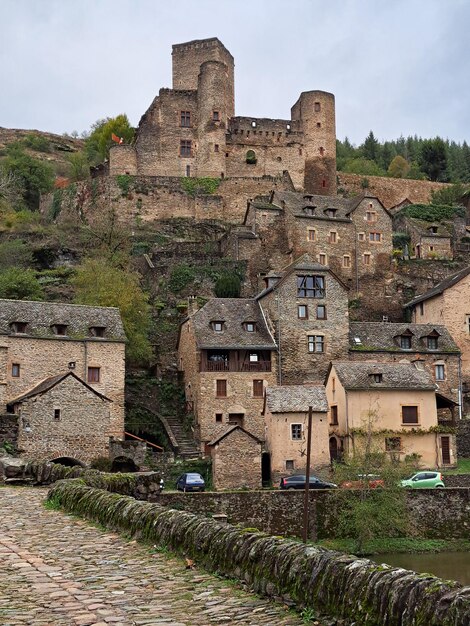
(190, 482)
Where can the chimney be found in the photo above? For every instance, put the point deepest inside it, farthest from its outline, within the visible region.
(192, 305)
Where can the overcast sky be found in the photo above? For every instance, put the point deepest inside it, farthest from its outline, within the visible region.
(396, 68)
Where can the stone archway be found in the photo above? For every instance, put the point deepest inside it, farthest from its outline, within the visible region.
(124, 464)
(68, 461)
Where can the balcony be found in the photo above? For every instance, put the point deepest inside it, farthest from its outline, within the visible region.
(235, 361)
(214, 366)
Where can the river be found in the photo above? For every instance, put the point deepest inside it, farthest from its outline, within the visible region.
(446, 565)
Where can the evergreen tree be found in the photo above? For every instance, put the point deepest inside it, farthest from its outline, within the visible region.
(370, 148)
(433, 159)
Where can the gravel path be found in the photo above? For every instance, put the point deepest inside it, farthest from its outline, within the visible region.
(57, 570)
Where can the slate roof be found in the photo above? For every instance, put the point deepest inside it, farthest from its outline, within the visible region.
(40, 316)
(296, 202)
(233, 312)
(424, 227)
(381, 336)
(296, 399)
(51, 382)
(450, 281)
(229, 431)
(401, 376)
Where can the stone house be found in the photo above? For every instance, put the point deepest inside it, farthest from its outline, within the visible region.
(236, 459)
(40, 340)
(191, 129)
(395, 403)
(228, 356)
(306, 307)
(428, 240)
(286, 416)
(353, 237)
(62, 417)
(428, 346)
(448, 303)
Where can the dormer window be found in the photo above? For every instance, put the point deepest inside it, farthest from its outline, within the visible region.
(217, 326)
(432, 341)
(97, 331)
(59, 329)
(405, 342)
(357, 341)
(309, 210)
(271, 281)
(250, 327)
(331, 212)
(18, 327)
(377, 378)
(433, 230)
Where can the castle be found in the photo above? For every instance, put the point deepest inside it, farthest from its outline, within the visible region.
(191, 129)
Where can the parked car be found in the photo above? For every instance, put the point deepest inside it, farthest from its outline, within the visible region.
(298, 482)
(371, 481)
(190, 482)
(424, 480)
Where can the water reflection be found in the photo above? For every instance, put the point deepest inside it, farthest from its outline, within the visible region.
(447, 565)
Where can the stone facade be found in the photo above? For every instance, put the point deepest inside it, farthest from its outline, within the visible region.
(236, 460)
(69, 419)
(310, 324)
(190, 130)
(448, 304)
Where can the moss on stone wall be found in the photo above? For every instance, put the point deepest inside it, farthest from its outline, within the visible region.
(328, 581)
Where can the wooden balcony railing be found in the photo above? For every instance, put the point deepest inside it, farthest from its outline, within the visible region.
(214, 366)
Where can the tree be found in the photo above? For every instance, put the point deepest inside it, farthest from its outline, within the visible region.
(228, 286)
(20, 284)
(363, 166)
(32, 175)
(433, 159)
(98, 283)
(99, 141)
(370, 147)
(79, 166)
(399, 167)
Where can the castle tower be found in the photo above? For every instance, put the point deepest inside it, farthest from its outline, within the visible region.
(315, 110)
(188, 58)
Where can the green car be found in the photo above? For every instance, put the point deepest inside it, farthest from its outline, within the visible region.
(424, 480)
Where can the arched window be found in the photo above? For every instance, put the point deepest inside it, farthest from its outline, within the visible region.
(251, 157)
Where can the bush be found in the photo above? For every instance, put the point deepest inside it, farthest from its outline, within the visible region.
(19, 284)
(181, 276)
(228, 286)
(101, 463)
(433, 212)
(200, 186)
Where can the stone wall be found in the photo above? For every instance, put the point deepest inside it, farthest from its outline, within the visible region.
(135, 450)
(8, 429)
(332, 583)
(236, 462)
(463, 439)
(390, 191)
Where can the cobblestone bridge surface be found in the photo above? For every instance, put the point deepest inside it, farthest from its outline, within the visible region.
(57, 570)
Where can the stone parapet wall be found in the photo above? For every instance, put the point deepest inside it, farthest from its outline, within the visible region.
(390, 191)
(332, 582)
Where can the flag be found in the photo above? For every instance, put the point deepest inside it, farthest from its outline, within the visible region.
(116, 138)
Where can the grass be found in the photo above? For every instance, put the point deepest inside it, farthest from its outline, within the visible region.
(399, 544)
(463, 467)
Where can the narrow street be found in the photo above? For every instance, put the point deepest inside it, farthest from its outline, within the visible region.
(59, 570)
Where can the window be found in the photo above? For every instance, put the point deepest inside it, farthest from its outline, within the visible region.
(360, 236)
(316, 343)
(333, 237)
(377, 378)
(296, 431)
(322, 258)
(236, 418)
(309, 210)
(431, 343)
(421, 308)
(322, 151)
(57, 414)
(218, 327)
(97, 331)
(334, 415)
(331, 212)
(18, 327)
(392, 444)
(366, 258)
(321, 312)
(93, 374)
(317, 107)
(290, 465)
(323, 183)
(253, 124)
(254, 357)
(185, 148)
(221, 388)
(188, 171)
(371, 216)
(405, 342)
(311, 234)
(215, 116)
(440, 372)
(59, 329)
(258, 389)
(302, 312)
(310, 286)
(375, 237)
(250, 327)
(250, 157)
(185, 119)
(15, 370)
(216, 147)
(318, 124)
(346, 260)
(409, 414)
(218, 417)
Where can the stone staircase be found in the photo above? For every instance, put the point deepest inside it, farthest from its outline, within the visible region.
(186, 445)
